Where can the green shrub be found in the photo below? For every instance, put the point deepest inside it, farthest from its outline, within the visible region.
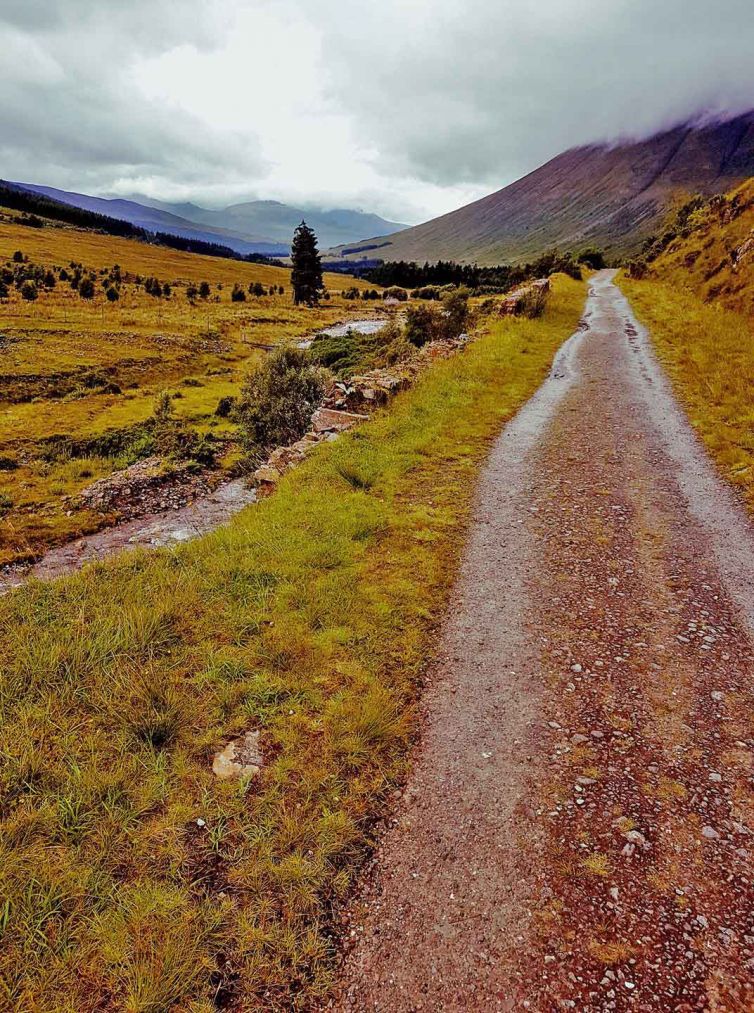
(225, 406)
(29, 291)
(399, 350)
(592, 258)
(278, 401)
(86, 288)
(456, 307)
(423, 324)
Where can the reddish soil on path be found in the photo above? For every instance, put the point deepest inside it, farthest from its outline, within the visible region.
(577, 830)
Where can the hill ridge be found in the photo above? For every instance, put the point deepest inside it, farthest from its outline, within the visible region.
(609, 195)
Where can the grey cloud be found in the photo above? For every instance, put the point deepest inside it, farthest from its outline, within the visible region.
(485, 91)
(70, 115)
(436, 93)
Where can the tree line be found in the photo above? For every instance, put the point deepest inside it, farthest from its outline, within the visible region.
(409, 274)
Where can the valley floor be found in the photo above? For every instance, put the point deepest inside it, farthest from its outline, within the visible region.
(576, 832)
(131, 877)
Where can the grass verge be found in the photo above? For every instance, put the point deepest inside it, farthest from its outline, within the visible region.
(708, 353)
(310, 617)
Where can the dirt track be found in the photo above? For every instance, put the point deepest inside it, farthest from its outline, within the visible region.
(577, 830)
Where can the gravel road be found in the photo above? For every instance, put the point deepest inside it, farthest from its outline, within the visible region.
(576, 833)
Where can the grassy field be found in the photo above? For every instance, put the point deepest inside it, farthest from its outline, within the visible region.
(309, 618)
(708, 352)
(83, 369)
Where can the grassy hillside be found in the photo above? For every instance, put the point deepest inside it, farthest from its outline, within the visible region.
(708, 352)
(83, 369)
(711, 251)
(131, 879)
(697, 299)
(611, 196)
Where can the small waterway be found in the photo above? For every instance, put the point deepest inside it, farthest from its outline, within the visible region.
(369, 326)
(152, 531)
(159, 530)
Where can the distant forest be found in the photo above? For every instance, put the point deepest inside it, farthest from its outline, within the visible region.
(38, 206)
(409, 274)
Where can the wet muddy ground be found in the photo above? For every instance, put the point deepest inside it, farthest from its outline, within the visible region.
(158, 530)
(577, 830)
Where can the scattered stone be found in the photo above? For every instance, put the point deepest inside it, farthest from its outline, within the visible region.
(146, 487)
(240, 758)
(636, 837)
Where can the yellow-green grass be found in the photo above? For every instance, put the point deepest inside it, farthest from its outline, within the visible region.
(311, 617)
(705, 261)
(708, 353)
(142, 344)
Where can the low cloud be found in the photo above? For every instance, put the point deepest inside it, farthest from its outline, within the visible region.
(485, 91)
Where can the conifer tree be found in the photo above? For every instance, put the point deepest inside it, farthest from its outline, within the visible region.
(306, 276)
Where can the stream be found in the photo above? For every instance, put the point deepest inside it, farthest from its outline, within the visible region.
(158, 530)
(367, 326)
(152, 531)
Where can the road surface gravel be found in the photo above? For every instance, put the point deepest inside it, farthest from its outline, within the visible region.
(576, 832)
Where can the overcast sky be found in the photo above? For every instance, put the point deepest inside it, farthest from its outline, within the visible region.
(405, 107)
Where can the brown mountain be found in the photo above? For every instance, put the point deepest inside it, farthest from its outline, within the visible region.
(611, 196)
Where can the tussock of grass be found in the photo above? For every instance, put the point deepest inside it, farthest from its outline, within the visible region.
(597, 864)
(708, 352)
(310, 617)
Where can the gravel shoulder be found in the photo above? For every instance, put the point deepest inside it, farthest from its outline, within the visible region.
(576, 830)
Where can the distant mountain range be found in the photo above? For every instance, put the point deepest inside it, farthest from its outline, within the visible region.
(610, 196)
(252, 227)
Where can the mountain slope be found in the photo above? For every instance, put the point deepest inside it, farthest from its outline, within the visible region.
(276, 221)
(610, 196)
(157, 220)
(251, 227)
